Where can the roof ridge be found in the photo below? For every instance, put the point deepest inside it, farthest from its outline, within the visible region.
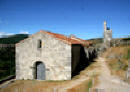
(62, 37)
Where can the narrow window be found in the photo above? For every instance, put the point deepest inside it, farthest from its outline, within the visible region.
(39, 43)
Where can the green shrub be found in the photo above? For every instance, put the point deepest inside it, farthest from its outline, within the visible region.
(127, 56)
(125, 67)
(89, 85)
(119, 65)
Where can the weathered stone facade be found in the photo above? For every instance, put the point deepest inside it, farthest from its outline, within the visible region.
(107, 35)
(51, 56)
(55, 54)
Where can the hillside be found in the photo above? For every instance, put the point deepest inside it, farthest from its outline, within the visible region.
(13, 39)
(7, 55)
(117, 60)
(96, 40)
(100, 40)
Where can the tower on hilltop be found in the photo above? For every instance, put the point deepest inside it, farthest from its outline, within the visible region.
(107, 35)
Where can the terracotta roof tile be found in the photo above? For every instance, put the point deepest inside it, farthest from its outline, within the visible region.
(70, 40)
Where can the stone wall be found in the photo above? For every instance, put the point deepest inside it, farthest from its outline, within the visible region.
(55, 54)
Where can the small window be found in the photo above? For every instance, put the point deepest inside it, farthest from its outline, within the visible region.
(39, 43)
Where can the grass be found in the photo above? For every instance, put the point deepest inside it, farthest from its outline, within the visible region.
(84, 87)
(127, 56)
(119, 63)
(48, 86)
(33, 86)
(76, 77)
(91, 72)
(89, 85)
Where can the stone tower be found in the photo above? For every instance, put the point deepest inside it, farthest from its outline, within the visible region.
(107, 35)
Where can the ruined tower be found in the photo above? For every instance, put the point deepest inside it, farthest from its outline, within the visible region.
(107, 35)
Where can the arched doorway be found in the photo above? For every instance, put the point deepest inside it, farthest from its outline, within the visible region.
(40, 73)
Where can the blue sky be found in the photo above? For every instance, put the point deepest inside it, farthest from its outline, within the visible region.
(84, 18)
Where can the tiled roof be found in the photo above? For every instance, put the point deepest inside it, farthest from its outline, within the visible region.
(69, 40)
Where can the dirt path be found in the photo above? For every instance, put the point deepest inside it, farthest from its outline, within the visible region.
(84, 77)
(72, 84)
(110, 83)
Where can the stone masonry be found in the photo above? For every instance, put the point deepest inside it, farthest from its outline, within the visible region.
(107, 35)
(55, 54)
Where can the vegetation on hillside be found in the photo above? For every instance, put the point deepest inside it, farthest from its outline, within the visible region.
(99, 41)
(13, 39)
(126, 39)
(7, 55)
(7, 62)
(96, 40)
(118, 60)
(127, 56)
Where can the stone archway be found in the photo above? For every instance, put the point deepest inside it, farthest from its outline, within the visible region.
(40, 72)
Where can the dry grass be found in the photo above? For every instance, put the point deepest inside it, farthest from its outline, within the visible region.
(117, 60)
(84, 87)
(91, 72)
(117, 68)
(32, 86)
